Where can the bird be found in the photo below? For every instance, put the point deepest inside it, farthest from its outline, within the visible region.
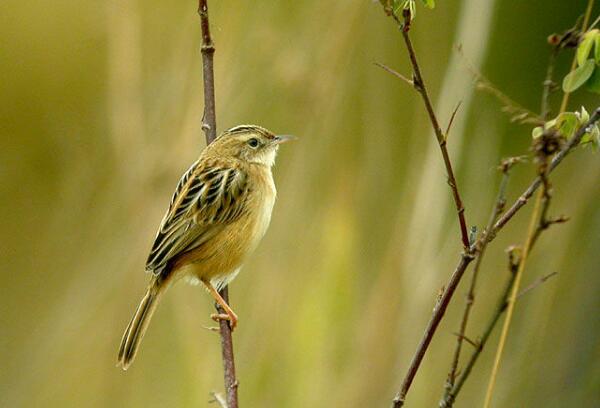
(217, 216)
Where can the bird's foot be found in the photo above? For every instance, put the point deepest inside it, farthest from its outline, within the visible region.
(230, 317)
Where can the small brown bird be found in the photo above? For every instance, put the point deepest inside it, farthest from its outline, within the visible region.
(219, 213)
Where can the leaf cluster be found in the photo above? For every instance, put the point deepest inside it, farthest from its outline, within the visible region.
(587, 71)
(567, 123)
(396, 7)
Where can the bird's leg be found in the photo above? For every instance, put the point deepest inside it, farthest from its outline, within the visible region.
(229, 314)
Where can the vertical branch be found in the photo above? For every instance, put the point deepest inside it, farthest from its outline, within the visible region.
(231, 383)
(420, 86)
(549, 84)
(209, 126)
(209, 119)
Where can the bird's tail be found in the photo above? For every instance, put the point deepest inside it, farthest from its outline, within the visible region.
(139, 323)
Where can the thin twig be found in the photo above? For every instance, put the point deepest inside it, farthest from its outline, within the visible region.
(209, 126)
(466, 258)
(469, 253)
(529, 240)
(586, 20)
(449, 399)
(468, 340)
(497, 209)
(451, 121)
(394, 73)
(499, 225)
(596, 21)
(558, 42)
(545, 221)
(548, 86)
(537, 283)
(512, 299)
(549, 83)
(438, 313)
(219, 399)
(419, 85)
(209, 119)
(517, 112)
(524, 198)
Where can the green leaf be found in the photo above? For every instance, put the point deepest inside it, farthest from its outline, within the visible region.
(585, 47)
(550, 124)
(429, 3)
(593, 83)
(597, 47)
(567, 123)
(592, 137)
(537, 132)
(595, 135)
(578, 76)
(583, 115)
(400, 5)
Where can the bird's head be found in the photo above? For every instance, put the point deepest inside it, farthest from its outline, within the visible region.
(250, 143)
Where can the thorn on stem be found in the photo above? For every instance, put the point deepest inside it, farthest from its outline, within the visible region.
(537, 283)
(468, 340)
(394, 72)
(218, 398)
(452, 120)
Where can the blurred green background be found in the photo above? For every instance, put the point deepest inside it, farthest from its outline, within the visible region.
(100, 115)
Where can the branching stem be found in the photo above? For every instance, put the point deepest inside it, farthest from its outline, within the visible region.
(497, 209)
(513, 298)
(467, 257)
(543, 195)
(470, 251)
(420, 86)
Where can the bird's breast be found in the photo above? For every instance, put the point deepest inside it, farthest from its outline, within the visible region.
(265, 200)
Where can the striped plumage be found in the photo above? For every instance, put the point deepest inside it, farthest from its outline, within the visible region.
(219, 212)
(209, 196)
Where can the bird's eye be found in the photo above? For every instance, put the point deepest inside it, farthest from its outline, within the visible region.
(253, 142)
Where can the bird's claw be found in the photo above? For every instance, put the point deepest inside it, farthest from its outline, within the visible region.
(231, 318)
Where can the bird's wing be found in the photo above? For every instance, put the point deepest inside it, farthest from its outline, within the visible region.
(210, 195)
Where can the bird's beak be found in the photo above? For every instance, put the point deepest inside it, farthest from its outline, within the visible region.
(283, 138)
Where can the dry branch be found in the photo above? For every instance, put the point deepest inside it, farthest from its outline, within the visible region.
(468, 256)
(497, 209)
(469, 251)
(209, 126)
